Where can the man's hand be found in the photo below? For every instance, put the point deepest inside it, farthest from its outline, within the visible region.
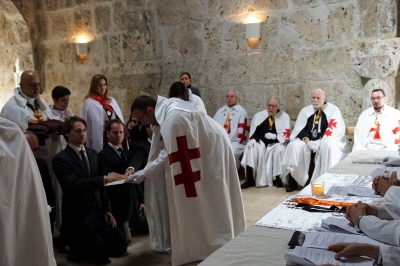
(110, 219)
(355, 211)
(132, 124)
(372, 146)
(382, 185)
(143, 209)
(354, 249)
(113, 177)
(138, 177)
(313, 145)
(270, 135)
(251, 144)
(129, 172)
(391, 161)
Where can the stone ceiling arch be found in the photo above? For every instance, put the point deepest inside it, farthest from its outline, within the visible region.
(16, 53)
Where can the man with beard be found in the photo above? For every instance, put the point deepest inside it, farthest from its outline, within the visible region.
(378, 127)
(318, 136)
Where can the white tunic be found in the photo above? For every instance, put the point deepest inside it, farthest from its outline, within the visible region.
(93, 113)
(333, 147)
(234, 120)
(267, 161)
(17, 110)
(24, 219)
(201, 192)
(388, 130)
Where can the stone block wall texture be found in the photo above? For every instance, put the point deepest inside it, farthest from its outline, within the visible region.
(15, 48)
(142, 46)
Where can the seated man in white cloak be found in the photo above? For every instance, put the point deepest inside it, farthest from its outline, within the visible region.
(233, 117)
(262, 157)
(319, 137)
(378, 127)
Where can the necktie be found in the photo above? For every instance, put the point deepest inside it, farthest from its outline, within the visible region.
(123, 155)
(85, 161)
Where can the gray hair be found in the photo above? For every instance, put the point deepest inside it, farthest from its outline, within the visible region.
(276, 98)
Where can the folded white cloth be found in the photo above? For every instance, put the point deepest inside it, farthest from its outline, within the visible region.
(270, 135)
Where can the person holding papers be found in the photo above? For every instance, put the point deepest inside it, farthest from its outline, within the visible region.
(114, 158)
(381, 223)
(384, 255)
(88, 226)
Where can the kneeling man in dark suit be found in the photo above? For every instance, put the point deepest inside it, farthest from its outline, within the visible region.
(88, 226)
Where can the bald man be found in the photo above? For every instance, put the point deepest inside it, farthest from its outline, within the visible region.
(33, 142)
(319, 136)
(233, 118)
(25, 106)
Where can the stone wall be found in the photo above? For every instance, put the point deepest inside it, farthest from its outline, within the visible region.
(143, 45)
(15, 49)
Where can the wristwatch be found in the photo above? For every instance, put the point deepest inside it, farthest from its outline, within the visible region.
(357, 224)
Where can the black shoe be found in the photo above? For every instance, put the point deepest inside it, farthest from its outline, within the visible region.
(60, 244)
(247, 184)
(277, 182)
(290, 189)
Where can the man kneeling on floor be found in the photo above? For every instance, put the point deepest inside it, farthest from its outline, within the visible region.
(88, 226)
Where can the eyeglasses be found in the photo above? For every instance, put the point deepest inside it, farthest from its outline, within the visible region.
(140, 118)
(377, 98)
(272, 106)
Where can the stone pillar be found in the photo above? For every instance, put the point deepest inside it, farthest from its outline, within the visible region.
(377, 61)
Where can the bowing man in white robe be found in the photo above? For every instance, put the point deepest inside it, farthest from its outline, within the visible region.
(262, 157)
(233, 118)
(319, 134)
(205, 203)
(24, 219)
(378, 127)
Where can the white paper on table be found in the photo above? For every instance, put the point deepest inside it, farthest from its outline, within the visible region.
(339, 225)
(336, 190)
(362, 192)
(324, 239)
(312, 256)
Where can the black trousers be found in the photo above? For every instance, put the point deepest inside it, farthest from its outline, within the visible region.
(102, 243)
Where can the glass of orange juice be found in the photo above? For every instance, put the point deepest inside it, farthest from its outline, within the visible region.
(317, 189)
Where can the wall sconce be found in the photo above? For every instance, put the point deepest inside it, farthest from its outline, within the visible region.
(81, 48)
(253, 32)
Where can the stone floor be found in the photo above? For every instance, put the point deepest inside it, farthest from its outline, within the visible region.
(257, 202)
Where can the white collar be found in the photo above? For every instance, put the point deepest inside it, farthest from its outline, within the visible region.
(382, 111)
(77, 149)
(114, 147)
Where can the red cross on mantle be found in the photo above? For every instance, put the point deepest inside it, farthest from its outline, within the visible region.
(242, 136)
(377, 129)
(183, 156)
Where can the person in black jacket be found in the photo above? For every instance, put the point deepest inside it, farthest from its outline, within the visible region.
(113, 158)
(33, 142)
(88, 226)
(187, 80)
(136, 131)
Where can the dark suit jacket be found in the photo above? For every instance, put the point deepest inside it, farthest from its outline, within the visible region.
(195, 91)
(136, 136)
(121, 196)
(141, 155)
(46, 179)
(84, 197)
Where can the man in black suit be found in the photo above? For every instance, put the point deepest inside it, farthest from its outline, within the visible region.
(138, 223)
(33, 142)
(88, 226)
(137, 132)
(113, 158)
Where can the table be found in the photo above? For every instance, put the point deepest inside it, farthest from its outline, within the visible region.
(266, 246)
